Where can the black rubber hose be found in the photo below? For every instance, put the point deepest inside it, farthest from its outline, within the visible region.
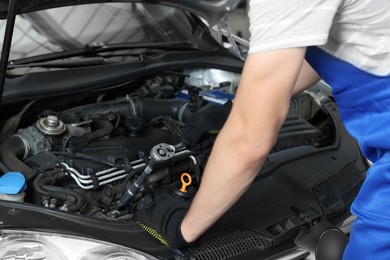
(104, 128)
(150, 108)
(36, 185)
(3, 168)
(43, 185)
(178, 168)
(64, 194)
(41, 169)
(119, 106)
(147, 108)
(11, 153)
(129, 176)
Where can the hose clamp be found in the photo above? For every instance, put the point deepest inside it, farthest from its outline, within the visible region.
(132, 105)
(26, 144)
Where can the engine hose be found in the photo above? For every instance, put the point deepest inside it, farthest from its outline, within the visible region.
(150, 108)
(3, 168)
(178, 168)
(146, 108)
(104, 128)
(12, 152)
(41, 185)
(75, 196)
(131, 175)
(41, 169)
(36, 181)
(119, 106)
(197, 170)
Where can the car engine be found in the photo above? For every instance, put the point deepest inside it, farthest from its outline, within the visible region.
(108, 158)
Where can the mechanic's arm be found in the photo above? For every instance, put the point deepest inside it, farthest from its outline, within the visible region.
(307, 77)
(260, 108)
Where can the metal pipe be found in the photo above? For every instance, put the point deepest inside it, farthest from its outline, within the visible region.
(9, 30)
(113, 179)
(113, 174)
(106, 171)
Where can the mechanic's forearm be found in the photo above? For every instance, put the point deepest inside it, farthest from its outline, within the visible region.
(260, 107)
(238, 154)
(230, 171)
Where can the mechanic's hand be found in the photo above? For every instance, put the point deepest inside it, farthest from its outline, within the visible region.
(163, 220)
(201, 128)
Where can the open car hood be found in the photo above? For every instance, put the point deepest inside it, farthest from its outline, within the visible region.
(211, 10)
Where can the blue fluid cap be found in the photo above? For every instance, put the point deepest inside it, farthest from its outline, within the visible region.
(12, 183)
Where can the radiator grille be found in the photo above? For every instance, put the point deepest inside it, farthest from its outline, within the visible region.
(337, 193)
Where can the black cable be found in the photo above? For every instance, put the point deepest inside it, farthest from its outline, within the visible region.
(131, 175)
(65, 144)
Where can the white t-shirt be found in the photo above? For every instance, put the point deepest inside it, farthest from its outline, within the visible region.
(356, 31)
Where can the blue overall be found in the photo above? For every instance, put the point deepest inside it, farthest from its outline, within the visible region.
(364, 103)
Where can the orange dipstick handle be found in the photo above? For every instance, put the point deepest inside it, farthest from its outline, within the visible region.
(186, 181)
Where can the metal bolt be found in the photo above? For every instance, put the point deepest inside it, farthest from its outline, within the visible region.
(52, 121)
(161, 152)
(14, 211)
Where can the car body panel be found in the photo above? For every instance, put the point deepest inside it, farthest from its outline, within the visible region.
(211, 10)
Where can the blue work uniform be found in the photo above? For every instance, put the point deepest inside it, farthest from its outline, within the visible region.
(364, 104)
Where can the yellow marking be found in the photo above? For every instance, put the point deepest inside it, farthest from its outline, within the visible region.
(153, 233)
(213, 131)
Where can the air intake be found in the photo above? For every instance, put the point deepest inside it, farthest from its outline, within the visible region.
(230, 245)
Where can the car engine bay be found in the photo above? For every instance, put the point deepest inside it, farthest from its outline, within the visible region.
(107, 159)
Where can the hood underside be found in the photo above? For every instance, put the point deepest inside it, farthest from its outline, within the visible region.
(211, 10)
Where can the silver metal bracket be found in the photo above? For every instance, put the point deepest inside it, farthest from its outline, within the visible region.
(224, 29)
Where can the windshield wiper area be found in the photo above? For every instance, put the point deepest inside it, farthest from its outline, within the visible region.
(92, 49)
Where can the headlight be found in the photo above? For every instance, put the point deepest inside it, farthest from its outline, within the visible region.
(31, 245)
